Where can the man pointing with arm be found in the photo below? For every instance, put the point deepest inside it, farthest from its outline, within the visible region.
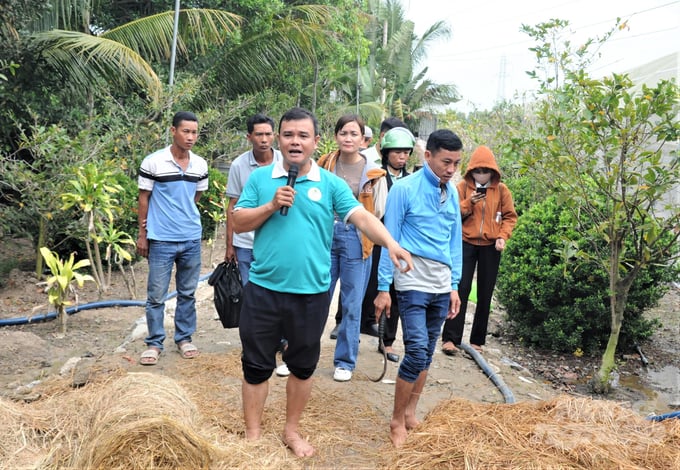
(287, 295)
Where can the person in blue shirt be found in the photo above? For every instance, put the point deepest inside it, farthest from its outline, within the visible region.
(423, 215)
(171, 182)
(287, 294)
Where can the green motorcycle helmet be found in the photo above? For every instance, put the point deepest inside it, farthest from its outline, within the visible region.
(396, 138)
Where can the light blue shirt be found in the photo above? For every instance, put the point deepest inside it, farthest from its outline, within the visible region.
(423, 225)
(172, 215)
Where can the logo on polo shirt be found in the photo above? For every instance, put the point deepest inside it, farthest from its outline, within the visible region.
(314, 194)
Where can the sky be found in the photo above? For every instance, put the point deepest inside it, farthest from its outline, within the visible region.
(487, 56)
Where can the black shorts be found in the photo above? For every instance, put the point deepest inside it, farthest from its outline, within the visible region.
(266, 317)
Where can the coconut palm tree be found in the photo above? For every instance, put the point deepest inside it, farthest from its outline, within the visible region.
(87, 57)
(277, 52)
(393, 75)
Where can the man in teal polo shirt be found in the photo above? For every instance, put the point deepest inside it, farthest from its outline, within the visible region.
(287, 295)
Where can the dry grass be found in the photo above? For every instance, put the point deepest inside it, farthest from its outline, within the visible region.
(563, 433)
(21, 431)
(145, 420)
(338, 425)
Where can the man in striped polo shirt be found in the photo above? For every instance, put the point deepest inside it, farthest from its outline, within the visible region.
(171, 182)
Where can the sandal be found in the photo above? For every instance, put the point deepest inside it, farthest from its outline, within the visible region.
(449, 348)
(187, 350)
(476, 347)
(150, 356)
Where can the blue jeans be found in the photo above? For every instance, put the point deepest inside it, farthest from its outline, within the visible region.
(348, 265)
(162, 257)
(422, 316)
(245, 258)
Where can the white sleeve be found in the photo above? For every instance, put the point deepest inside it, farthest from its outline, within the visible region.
(380, 197)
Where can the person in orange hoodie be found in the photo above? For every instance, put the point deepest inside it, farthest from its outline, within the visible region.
(489, 217)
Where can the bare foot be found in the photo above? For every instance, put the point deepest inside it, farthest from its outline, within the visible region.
(398, 435)
(298, 445)
(412, 422)
(253, 434)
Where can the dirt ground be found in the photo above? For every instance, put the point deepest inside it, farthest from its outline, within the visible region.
(110, 340)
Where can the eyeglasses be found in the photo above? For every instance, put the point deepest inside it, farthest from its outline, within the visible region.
(481, 170)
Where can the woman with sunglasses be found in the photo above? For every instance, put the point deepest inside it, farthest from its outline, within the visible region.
(489, 216)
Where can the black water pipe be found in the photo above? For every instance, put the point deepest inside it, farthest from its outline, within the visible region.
(495, 378)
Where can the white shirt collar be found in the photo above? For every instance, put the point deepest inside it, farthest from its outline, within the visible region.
(313, 175)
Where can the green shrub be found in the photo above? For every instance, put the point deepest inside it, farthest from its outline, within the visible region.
(210, 200)
(561, 303)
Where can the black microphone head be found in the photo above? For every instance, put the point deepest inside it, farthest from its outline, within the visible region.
(292, 176)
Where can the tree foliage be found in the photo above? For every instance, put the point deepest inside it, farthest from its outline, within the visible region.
(561, 303)
(124, 54)
(82, 85)
(602, 146)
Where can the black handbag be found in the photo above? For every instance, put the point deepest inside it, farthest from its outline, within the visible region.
(226, 280)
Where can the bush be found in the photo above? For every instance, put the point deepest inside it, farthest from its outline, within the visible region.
(563, 304)
(212, 200)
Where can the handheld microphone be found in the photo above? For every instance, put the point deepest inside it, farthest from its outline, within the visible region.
(292, 176)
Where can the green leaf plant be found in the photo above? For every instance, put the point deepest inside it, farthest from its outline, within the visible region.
(60, 283)
(115, 241)
(92, 194)
(216, 209)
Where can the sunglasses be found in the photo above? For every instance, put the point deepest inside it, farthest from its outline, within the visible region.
(481, 170)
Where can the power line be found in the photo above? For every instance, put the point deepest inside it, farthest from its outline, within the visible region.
(528, 42)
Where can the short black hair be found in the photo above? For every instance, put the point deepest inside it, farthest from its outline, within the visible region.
(258, 118)
(183, 116)
(391, 123)
(299, 114)
(443, 139)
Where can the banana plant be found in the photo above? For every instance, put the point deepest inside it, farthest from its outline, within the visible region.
(60, 284)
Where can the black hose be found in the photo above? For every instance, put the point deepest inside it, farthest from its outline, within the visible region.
(381, 347)
(496, 379)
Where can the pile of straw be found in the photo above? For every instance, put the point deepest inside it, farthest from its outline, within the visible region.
(563, 433)
(21, 434)
(143, 421)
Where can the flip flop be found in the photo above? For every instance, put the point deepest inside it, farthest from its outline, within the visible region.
(449, 350)
(150, 357)
(187, 350)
